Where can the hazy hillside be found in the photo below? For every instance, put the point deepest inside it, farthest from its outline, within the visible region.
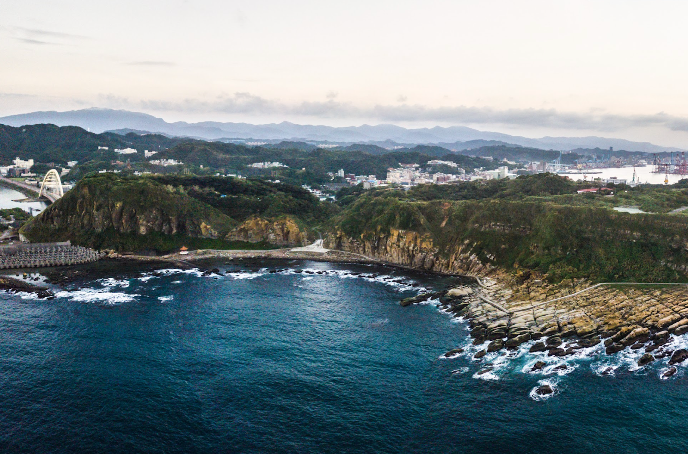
(100, 120)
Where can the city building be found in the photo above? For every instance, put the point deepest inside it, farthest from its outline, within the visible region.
(266, 165)
(125, 151)
(166, 162)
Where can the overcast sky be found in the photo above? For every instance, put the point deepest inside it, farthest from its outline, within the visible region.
(609, 68)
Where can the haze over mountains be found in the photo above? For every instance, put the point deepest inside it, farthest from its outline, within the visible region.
(101, 120)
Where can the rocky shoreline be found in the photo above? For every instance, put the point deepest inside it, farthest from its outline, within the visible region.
(564, 319)
(502, 310)
(13, 285)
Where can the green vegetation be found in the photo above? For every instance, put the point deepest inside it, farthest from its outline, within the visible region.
(242, 199)
(523, 224)
(307, 167)
(107, 211)
(17, 215)
(536, 223)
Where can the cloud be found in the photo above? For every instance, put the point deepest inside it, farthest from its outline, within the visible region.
(16, 95)
(50, 34)
(151, 63)
(332, 95)
(401, 98)
(43, 37)
(33, 41)
(593, 120)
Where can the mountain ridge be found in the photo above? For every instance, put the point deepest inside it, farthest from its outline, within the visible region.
(101, 120)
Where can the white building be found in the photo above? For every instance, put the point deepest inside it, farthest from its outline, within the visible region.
(125, 151)
(21, 164)
(166, 162)
(266, 165)
(147, 154)
(499, 174)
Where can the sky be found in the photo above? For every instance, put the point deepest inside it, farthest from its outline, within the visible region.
(612, 68)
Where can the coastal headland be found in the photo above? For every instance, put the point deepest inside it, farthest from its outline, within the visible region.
(553, 268)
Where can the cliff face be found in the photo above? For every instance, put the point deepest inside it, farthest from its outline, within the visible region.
(282, 232)
(97, 206)
(409, 248)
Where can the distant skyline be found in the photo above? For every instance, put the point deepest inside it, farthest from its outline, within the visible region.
(532, 68)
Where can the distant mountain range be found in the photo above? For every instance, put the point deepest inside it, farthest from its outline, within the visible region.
(388, 136)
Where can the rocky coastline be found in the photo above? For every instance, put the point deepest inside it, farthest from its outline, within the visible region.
(505, 310)
(564, 319)
(13, 285)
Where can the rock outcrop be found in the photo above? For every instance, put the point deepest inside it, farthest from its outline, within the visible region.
(411, 249)
(282, 232)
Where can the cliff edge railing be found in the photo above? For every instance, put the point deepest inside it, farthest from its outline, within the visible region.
(37, 255)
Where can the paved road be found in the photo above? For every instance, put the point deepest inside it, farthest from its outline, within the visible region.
(28, 187)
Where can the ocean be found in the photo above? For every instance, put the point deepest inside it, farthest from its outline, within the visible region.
(301, 357)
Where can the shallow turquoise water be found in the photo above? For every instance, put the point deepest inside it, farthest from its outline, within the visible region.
(266, 359)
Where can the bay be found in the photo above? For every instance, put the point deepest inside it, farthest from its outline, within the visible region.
(298, 357)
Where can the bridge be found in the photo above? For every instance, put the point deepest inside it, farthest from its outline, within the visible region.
(51, 186)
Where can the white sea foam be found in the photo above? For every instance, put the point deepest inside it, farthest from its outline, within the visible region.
(27, 295)
(145, 277)
(112, 282)
(398, 283)
(245, 275)
(486, 374)
(552, 383)
(460, 370)
(90, 295)
(166, 298)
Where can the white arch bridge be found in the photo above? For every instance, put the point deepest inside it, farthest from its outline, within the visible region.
(51, 186)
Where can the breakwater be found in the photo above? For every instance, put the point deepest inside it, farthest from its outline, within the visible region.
(36, 255)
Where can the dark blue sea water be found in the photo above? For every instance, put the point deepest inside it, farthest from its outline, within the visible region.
(260, 361)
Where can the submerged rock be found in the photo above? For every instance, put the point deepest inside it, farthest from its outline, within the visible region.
(484, 371)
(645, 359)
(670, 372)
(480, 354)
(416, 299)
(544, 390)
(453, 352)
(679, 356)
(538, 366)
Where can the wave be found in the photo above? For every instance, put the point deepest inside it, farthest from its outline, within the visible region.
(92, 295)
(496, 365)
(542, 384)
(396, 282)
(112, 282)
